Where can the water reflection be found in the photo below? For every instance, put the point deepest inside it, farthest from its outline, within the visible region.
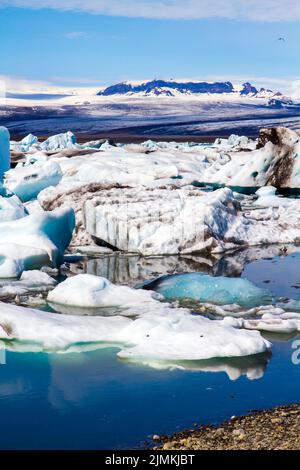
(252, 367)
(132, 270)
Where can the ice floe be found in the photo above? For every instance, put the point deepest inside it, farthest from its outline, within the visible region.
(59, 141)
(30, 282)
(87, 291)
(156, 331)
(205, 288)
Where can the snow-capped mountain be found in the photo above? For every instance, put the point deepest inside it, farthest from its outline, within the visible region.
(149, 108)
(173, 88)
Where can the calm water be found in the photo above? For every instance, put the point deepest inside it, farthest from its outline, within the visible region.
(93, 400)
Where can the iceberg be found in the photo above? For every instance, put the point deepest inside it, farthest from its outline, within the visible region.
(59, 142)
(37, 239)
(10, 268)
(267, 198)
(189, 337)
(206, 288)
(172, 334)
(275, 162)
(26, 182)
(27, 142)
(4, 151)
(11, 208)
(164, 221)
(30, 282)
(88, 291)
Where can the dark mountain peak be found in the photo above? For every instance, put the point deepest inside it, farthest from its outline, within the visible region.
(249, 89)
(158, 86)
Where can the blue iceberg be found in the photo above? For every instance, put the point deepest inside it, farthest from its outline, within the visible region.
(28, 181)
(205, 288)
(4, 151)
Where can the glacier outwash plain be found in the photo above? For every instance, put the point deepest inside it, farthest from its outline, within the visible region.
(61, 200)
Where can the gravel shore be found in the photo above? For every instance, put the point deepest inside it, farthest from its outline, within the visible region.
(275, 429)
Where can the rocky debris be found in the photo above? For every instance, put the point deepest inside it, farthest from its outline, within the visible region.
(276, 429)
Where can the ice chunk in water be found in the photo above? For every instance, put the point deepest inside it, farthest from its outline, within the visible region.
(88, 291)
(59, 141)
(267, 198)
(205, 288)
(11, 208)
(10, 268)
(4, 151)
(171, 334)
(26, 182)
(27, 142)
(39, 238)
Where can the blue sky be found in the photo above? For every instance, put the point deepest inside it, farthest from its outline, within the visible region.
(86, 47)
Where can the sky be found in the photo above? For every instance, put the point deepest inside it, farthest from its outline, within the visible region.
(101, 42)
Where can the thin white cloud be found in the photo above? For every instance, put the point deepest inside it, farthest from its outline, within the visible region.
(254, 10)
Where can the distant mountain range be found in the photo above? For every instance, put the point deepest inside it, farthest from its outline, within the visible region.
(173, 88)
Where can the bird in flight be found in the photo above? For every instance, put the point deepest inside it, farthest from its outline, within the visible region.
(281, 39)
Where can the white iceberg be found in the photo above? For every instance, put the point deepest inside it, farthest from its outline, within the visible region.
(10, 268)
(59, 141)
(275, 162)
(163, 221)
(189, 337)
(26, 182)
(28, 142)
(172, 334)
(267, 198)
(87, 291)
(30, 282)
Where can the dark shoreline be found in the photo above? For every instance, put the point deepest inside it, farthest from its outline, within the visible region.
(274, 429)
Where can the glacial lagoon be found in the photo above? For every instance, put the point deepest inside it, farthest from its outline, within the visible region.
(91, 399)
